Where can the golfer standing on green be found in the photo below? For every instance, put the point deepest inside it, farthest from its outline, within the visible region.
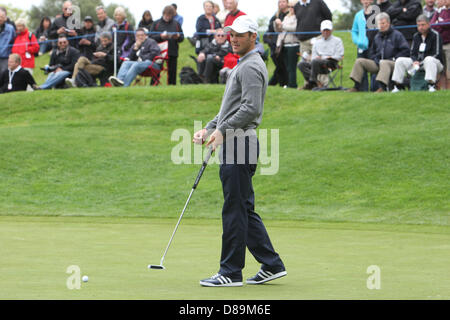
(235, 129)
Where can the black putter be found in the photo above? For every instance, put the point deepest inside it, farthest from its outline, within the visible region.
(202, 169)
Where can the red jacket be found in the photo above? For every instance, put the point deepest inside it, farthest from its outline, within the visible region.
(442, 17)
(231, 17)
(24, 44)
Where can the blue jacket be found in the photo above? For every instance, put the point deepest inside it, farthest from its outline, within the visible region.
(359, 36)
(7, 36)
(389, 45)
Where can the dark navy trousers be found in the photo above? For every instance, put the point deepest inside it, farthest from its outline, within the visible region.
(242, 226)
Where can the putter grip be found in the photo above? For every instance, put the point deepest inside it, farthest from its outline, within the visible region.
(202, 169)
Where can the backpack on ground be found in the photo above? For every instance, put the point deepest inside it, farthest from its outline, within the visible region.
(84, 79)
(189, 76)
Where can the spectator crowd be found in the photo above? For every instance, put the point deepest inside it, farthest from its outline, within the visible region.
(400, 44)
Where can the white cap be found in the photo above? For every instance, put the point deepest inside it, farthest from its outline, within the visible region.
(242, 24)
(326, 25)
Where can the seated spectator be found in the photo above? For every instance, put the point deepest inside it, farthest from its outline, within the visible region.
(206, 24)
(25, 45)
(211, 59)
(388, 45)
(62, 62)
(143, 52)
(7, 36)
(15, 78)
(146, 21)
(125, 34)
(102, 62)
(86, 44)
(232, 6)
(42, 34)
(60, 27)
(229, 62)
(168, 29)
(363, 34)
(442, 16)
(429, 9)
(404, 13)
(310, 13)
(288, 45)
(280, 73)
(105, 23)
(177, 17)
(426, 52)
(327, 51)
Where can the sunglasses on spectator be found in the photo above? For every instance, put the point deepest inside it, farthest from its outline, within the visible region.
(220, 35)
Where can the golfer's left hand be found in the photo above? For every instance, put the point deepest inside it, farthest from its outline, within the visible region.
(215, 140)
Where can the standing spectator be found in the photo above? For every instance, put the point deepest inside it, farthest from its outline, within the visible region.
(105, 23)
(7, 36)
(146, 21)
(222, 14)
(86, 45)
(177, 17)
(59, 26)
(211, 59)
(25, 45)
(310, 13)
(429, 9)
(206, 25)
(280, 73)
(327, 51)
(125, 32)
(426, 51)
(404, 13)
(42, 34)
(232, 6)
(8, 20)
(443, 16)
(143, 52)
(388, 45)
(167, 29)
(62, 62)
(15, 78)
(384, 5)
(288, 44)
(363, 34)
(102, 63)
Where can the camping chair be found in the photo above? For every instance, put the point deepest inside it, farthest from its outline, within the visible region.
(153, 73)
(334, 73)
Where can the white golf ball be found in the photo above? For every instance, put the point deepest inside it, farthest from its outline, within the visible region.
(85, 278)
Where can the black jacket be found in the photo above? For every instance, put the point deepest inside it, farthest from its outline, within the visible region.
(125, 38)
(160, 26)
(216, 49)
(65, 60)
(310, 17)
(400, 18)
(108, 61)
(433, 48)
(203, 24)
(388, 45)
(58, 23)
(87, 50)
(20, 81)
(147, 51)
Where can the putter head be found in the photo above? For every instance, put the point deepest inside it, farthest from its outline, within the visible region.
(157, 267)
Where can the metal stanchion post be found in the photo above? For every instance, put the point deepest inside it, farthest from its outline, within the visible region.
(115, 51)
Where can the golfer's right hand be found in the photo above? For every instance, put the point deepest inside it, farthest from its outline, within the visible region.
(200, 136)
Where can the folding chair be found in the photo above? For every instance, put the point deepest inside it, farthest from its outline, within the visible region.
(333, 74)
(161, 60)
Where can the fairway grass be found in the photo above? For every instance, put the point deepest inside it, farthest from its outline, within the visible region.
(323, 260)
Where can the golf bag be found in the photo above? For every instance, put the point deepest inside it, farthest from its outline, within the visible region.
(189, 76)
(84, 79)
